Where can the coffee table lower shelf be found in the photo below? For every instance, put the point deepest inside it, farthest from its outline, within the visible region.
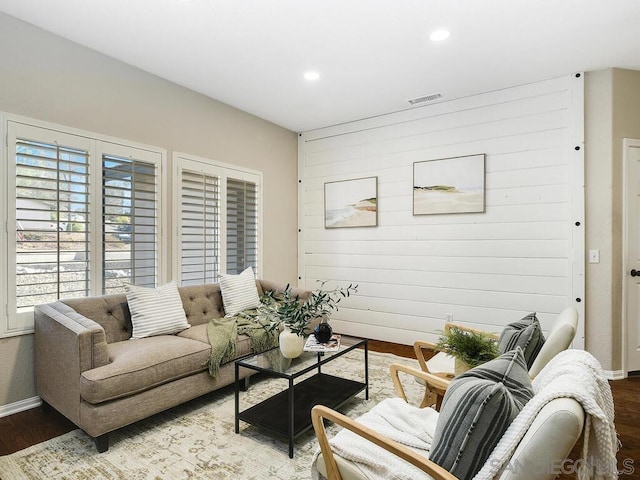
(275, 413)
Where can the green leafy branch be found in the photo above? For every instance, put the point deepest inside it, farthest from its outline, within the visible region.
(285, 308)
(473, 348)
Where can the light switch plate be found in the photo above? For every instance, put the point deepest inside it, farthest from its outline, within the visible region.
(594, 256)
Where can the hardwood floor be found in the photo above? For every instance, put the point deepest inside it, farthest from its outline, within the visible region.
(33, 426)
(626, 399)
(27, 428)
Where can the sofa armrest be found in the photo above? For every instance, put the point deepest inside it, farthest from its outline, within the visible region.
(66, 344)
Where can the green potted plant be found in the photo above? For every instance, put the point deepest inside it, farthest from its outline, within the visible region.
(469, 347)
(294, 316)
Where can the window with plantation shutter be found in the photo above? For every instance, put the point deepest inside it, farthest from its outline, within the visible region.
(51, 229)
(200, 228)
(217, 220)
(129, 219)
(242, 225)
(82, 217)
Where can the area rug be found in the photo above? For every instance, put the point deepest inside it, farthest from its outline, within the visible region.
(197, 440)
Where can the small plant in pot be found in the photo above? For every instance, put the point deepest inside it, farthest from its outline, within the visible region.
(295, 315)
(470, 348)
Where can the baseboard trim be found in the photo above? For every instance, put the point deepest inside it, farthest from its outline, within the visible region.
(614, 374)
(19, 406)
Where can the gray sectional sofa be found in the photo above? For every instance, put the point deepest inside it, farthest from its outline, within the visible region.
(88, 369)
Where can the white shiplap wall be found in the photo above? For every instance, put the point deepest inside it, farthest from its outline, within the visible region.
(525, 253)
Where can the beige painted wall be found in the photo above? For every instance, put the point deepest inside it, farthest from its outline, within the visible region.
(45, 77)
(598, 207)
(612, 112)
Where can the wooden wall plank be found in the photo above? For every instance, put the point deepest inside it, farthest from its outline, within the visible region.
(377, 266)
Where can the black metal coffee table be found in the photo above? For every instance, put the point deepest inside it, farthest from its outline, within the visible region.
(288, 413)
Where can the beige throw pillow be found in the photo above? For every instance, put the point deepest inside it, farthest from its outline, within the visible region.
(155, 311)
(239, 292)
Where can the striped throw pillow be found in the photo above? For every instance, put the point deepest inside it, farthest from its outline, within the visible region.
(526, 333)
(155, 311)
(239, 292)
(476, 411)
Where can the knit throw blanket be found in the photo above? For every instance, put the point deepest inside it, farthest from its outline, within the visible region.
(397, 420)
(576, 374)
(223, 336)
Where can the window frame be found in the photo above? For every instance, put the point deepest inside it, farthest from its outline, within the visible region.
(184, 161)
(13, 323)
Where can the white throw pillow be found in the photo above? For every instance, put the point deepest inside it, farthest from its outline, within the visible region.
(239, 292)
(155, 311)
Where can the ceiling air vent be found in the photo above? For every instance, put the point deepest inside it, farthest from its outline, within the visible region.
(426, 98)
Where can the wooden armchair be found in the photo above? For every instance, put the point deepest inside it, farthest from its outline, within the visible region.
(442, 365)
(544, 447)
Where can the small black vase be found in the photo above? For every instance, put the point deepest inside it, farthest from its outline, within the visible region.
(323, 332)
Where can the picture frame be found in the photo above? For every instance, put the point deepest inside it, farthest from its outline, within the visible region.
(449, 185)
(351, 203)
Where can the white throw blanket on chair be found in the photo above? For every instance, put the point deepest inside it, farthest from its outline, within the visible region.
(397, 420)
(575, 374)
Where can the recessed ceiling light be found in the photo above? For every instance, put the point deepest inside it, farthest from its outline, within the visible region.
(311, 76)
(439, 35)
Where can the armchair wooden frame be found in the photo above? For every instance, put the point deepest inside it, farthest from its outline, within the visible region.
(433, 393)
(320, 412)
(433, 383)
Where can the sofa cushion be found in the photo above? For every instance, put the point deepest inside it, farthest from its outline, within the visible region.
(239, 292)
(139, 365)
(477, 409)
(155, 311)
(526, 333)
(199, 333)
(201, 303)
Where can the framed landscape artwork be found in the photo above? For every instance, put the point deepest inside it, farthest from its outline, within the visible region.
(351, 203)
(449, 185)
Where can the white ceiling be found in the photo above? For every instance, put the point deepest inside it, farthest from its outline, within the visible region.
(372, 55)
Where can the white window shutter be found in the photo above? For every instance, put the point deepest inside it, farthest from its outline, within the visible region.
(199, 228)
(51, 229)
(129, 223)
(242, 226)
(217, 219)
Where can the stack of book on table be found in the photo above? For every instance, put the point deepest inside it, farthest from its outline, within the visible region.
(312, 345)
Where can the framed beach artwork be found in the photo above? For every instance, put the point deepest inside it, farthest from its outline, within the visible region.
(449, 185)
(351, 203)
